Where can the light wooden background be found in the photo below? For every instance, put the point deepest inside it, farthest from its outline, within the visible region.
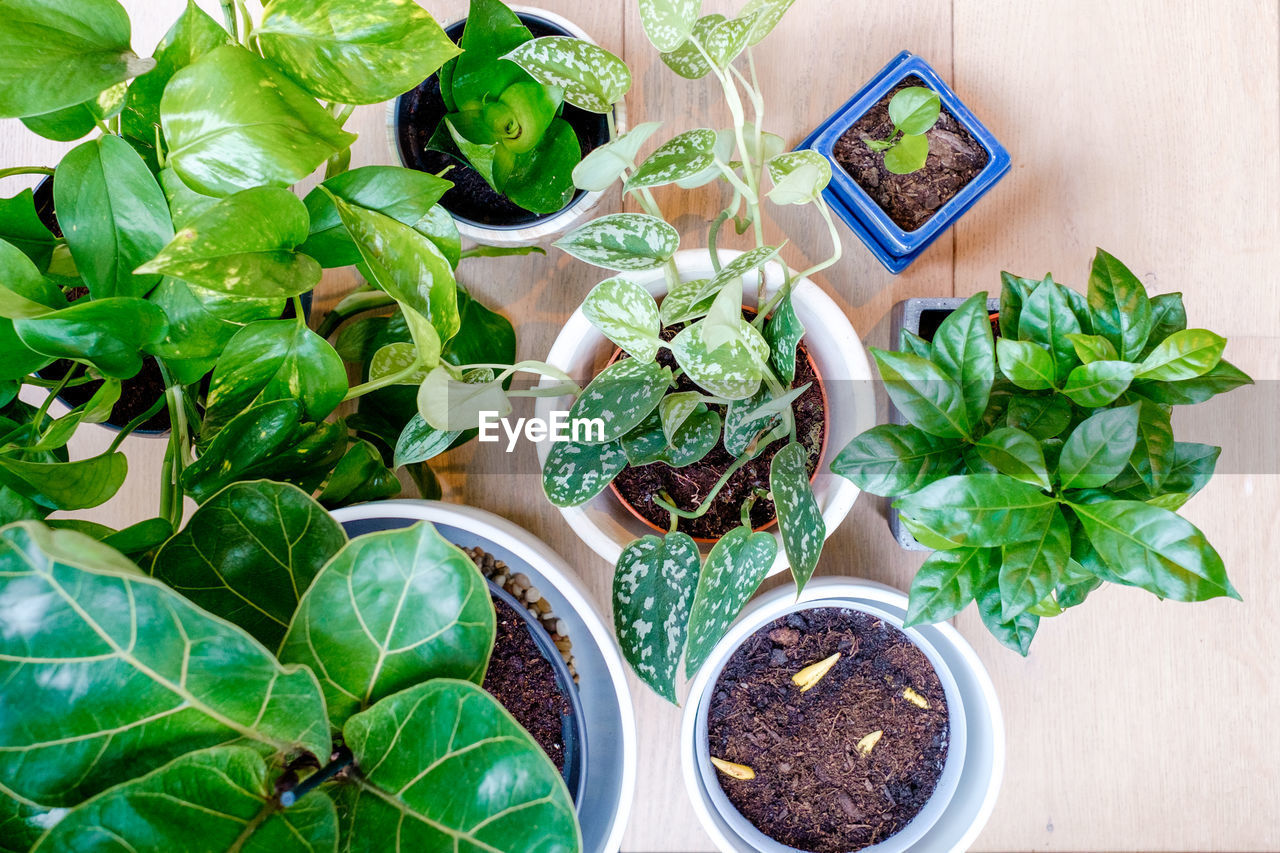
(1150, 128)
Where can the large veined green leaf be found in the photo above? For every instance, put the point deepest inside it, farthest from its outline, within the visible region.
(1099, 448)
(668, 23)
(627, 242)
(1030, 570)
(67, 485)
(1185, 354)
(927, 397)
(1099, 383)
(945, 584)
(443, 766)
(273, 360)
(1119, 304)
(591, 77)
(109, 674)
(354, 51)
(114, 215)
(964, 348)
(1014, 452)
(391, 610)
(893, 459)
(245, 245)
(201, 322)
(110, 333)
(249, 553)
(653, 590)
(980, 510)
(734, 570)
(799, 517)
(59, 53)
(218, 799)
(622, 396)
(1027, 365)
(575, 472)
(233, 122)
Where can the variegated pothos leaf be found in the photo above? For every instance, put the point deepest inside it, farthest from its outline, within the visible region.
(682, 157)
(591, 77)
(604, 165)
(627, 315)
(667, 23)
(627, 242)
(575, 472)
(653, 588)
(733, 571)
(799, 519)
(799, 177)
(686, 60)
(732, 371)
(621, 396)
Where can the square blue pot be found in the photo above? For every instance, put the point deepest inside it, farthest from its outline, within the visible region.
(894, 247)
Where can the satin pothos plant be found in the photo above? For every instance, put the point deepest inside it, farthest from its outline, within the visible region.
(260, 684)
(183, 244)
(1043, 464)
(505, 95)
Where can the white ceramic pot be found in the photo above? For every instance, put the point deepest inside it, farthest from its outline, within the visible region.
(582, 351)
(606, 701)
(966, 791)
(543, 229)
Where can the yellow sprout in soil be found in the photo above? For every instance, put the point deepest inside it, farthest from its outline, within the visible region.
(813, 673)
(915, 699)
(737, 771)
(869, 742)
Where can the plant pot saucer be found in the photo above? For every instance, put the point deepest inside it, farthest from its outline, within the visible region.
(974, 790)
(606, 700)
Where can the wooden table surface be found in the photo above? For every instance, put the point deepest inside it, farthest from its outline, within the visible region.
(1149, 127)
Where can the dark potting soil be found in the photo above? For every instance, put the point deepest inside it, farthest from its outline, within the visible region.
(689, 486)
(814, 789)
(524, 682)
(420, 112)
(955, 159)
(43, 199)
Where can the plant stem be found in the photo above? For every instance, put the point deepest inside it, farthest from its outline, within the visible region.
(356, 302)
(383, 382)
(613, 125)
(341, 760)
(501, 251)
(229, 17)
(297, 310)
(248, 23)
(25, 170)
(836, 243)
(770, 437)
(178, 453)
(135, 423)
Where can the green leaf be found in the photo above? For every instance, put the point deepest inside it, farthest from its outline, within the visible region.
(733, 370)
(1026, 364)
(110, 334)
(1187, 354)
(245, 245)
(1153, 453)
(392, 609)
(686, 60)
(353, 51)
(799, 518)
(1224, 377)
(1042, 417)
(784, 331)
(1121, 310)
(964, 347)
(1099, 383)
(1014, 291)
(160, 810)
(114, 215)
(360, 476)
(1099, 448)
(627, 242)
(67, 485)
(627, 315)
(541, 180)
(907, 155)
(576, 472)
(591, 77)
(676, 408)
(1030, 570)
(430, 759)
(450, 405)
(142, 663)
(248, 553)
(1091, 348)
(201, 322)
(480, 74)
(59, 53)
(728, 39)
(736, 566)
(1015, 453)
(419, 441)
(914, 110)
(927, 397)
(945, 584)
(622, 395)
(767, 14)
(405, 195)
(798, 177)
(1015, 634)
(275, 360)
(185, 204)
(892, 459)
(71, 123)
(980, 510)
(668, 23)
(696, 437)
(1154, 549)
(233, 122)
(682, 157)
(22, 228)
(1047, 319)
(605, 164)
(24, 292)
(653, 590)
(1168, 315)
(1191, 466)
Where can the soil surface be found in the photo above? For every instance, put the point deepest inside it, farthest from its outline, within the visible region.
(814, 788)
(689, 486)
(955, 159)
(522, 679)
(419, 114)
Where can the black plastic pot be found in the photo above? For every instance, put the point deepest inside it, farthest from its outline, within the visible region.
(472, 201)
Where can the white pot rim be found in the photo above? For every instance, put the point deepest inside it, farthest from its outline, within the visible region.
(543, 229)
(979, 708)
(547, 563)
(604, 524)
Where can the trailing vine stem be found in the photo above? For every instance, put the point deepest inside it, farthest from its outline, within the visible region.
(760, 444)
(26, 170)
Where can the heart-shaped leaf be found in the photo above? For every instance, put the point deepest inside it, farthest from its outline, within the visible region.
(914, 110)
(682, 157)
(653, 589)
(360, 476)
(451, 405)
(945, 584)
(799, 518)
(391, 610)
(66, 485)
(728, 39)
(686, 59)
(419, 441)
(798, 177)
(893, 459)
(591, 77)
(111, 334)
(765, 14)
(908, 155)
(201, 322)
(668, 23)
(1099, 448)
(696, 437)
(249, 552)
(576, 472)
(980, 510)
(622, 395)
(605, 164)
(676, 408)
(627, 242)
(734, 570)
(784, 331)
(627, 315)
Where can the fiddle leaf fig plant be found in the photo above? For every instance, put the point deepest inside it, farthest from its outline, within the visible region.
(505, 95)
(1043, 464)
(319, 745)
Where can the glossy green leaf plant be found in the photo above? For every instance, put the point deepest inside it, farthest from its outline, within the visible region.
(304, 693)
(914, 111)
(505, 96)
(187, 254)
(1043, 464)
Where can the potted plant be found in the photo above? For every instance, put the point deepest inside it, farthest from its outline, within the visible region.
(371, 703)
(509, 126)
(909, 158)
(777, 757)
(1043, 464)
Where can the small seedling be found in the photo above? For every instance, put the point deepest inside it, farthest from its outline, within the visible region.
(914, 111)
